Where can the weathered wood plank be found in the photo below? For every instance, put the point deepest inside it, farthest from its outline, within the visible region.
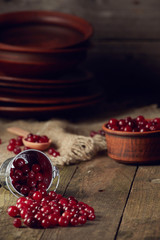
(121, 19)
(141, 217)
(7, 231)
(103, 184)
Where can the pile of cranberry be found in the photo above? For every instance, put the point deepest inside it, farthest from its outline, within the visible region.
(138, 124)
(46, 210)
(26, 178)
(37, 138)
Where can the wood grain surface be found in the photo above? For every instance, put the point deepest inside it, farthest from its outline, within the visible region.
(102, 183)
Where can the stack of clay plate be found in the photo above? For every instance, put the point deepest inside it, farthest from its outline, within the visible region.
(39, 55)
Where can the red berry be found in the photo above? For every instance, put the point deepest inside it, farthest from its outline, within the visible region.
(82, 219)
(24, 190)
(53, 219)
(91, 216)
(39, 177)
(10, 147)
(17, 222)
(45, 223)
(17, 150)
(36, 168)
(113, 122)
(19, 163)
(31, 222)
(93, 133)
(13, 211)
(140, 118)
(63, 222)
(12, 141)
(74, 221)
(37, 196)
(128, 129)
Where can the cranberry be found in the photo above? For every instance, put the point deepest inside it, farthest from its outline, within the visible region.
(50, 151)
(46, 210)
(18, 163)
(74, 221)
(113, 122)
(12, 141)
(37, 196)
(55, 154)
(0, 141)
(24, 190)
(25, 169)
(39, 177)
(36, 168)
(29, 139)
(67, 214)
(101, 132)
(122, 122)
(10, 147)
(52, 194)
(128, 129)
(63, 222)
(128, 119)
(45, 223)
(17, 150)
(13, 211)
(53, 219)
(41, 186)
(82, 219)
(31, 174)
(31, 222)
(31, 182)
(115, 128)
(17, 222)
(19, 142)
(91, 216)
(140, 118)
(21, 200)
(93, 133)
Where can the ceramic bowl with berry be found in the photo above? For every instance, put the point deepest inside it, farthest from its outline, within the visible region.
(133, 140)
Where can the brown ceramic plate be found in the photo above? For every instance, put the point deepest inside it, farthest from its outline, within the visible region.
(76, 76)
(48, 100)
(31, 111)
(40, 31)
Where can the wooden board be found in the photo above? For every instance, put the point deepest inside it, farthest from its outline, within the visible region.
(141, 215)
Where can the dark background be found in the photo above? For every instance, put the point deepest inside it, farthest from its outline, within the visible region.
(125, 56)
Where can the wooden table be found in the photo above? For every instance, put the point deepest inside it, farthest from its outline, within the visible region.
(125, 199)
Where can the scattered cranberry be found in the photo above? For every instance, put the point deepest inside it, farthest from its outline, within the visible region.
(10, 147)
(138, 124)
(17, 222)
(0, 141)
(100, 132)
(13, 211)
(53, 152)
(49, 210)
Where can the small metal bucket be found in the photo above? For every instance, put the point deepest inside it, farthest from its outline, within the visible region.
(31, 156)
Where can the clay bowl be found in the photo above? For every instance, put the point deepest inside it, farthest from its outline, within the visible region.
(133, 147)
(42, 31)
(38, 44)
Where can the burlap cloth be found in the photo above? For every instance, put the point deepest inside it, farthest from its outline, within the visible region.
(72, 140)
